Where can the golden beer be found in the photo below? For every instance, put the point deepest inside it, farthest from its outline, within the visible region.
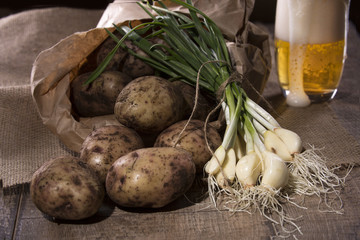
(322, 66)
(310, 44)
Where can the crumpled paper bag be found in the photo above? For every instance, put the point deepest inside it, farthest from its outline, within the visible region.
(55, 68)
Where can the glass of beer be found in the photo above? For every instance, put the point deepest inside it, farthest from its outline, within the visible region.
(310, 43)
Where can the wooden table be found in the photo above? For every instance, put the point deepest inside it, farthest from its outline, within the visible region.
(180, 220)
(190, 218)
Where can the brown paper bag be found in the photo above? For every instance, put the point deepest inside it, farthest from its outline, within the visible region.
(55, 68)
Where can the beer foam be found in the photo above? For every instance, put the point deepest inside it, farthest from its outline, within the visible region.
(310, 21)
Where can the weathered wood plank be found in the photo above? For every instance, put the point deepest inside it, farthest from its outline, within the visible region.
(132, 225)
(183, 220)
(8, 212)
(179, 220)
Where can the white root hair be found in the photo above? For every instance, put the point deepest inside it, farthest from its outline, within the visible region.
(250, 199)
(309, 175)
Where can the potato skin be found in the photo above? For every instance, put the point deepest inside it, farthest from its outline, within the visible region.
(105, 48)
(150, 177)
(122, 60)
(98, 98)
(191, 140)
(106, 144)
(149, 104)
(66, 188)
(135, 67)
(203, 107)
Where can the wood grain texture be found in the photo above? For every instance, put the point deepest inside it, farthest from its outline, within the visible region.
(8, 213)
(182, 219)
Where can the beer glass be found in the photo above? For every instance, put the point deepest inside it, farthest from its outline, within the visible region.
(310, 43)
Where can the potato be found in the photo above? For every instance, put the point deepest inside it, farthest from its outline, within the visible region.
(105, 48)
(124, 61)
(191, 140)
(98, 98)
(149, 104)
(66, 188)
(150, 177)
(106, 144)
(203, 107)
(134, 66)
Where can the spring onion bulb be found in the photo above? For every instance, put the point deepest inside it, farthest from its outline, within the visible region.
(276, 172)
(227, 174)
(248, 169)
(291, 139)
(213, 165)
(274, 144)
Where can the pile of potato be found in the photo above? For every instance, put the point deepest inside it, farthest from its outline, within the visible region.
(142, 161)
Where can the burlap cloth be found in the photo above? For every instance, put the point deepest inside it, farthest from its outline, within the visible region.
(27, 143)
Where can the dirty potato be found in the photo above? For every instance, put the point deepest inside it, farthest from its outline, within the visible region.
(106, 144)
(134, 66)
(118, 58)
(192, 140)
(66, 188)
(203, 107)
(124, 61)
(149, 104)
(97, 98)
(150, 177)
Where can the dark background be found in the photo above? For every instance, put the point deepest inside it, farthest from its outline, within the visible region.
(264, 10)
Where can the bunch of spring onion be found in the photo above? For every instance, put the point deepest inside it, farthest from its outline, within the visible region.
(258, 162)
